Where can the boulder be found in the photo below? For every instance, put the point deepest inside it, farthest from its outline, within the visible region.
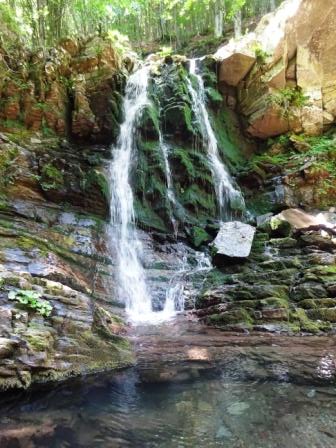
(235, 68)
(233, 242)
(299, 219)
(275, 226)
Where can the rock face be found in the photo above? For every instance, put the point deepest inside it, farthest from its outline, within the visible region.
(297, 172)
(74, 88)
(284, 71)
(234, 241)
(79, 336)
(171, 113)
(301, 220)
(52, 226)
(285, 285)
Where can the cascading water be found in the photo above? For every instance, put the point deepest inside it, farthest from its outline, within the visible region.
(170, 190)
(228, 197)
(132, 288)
(175, 295)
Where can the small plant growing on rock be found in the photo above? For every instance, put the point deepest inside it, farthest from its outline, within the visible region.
(31, 300)
(260, 55)
(289, 98)
(52, 178)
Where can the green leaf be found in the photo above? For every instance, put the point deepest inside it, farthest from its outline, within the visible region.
(12, 295)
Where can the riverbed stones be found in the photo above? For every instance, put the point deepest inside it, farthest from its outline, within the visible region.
(285, 285)
(233, 242)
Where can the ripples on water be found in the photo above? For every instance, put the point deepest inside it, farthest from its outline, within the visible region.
(216, 410)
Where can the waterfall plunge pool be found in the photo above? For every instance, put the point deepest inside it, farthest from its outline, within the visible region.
(208, 389)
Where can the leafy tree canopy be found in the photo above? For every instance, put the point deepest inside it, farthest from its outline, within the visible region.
(172, 22)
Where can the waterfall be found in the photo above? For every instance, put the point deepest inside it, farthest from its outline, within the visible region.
(175, 294)
(131, 282)
(132, 286)
(170, 190)
(228, 197)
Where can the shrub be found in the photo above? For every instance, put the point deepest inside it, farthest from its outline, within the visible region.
(289, 98)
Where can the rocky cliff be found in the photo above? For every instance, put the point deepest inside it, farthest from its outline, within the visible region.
(284, 72)
(57, 316)
(56, 312)
(74, 89)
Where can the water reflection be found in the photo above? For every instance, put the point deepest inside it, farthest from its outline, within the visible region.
(214, 410)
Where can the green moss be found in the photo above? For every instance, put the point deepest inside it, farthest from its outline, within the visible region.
(188, 118)
(308, 304)
(214, 96)
(147, 217)
(150, 119)
(28, 244)
(199, 236)
(197, 199)
(230, 317)
(232, 146)
(246, 304)
(217, 278)
(324, 314)
(300, 317)
(96, 178)
(258, 204)
(51, 177)
(274, 302)
(8, 156)
(38, 341)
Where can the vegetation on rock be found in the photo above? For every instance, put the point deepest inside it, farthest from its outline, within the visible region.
(32, 301)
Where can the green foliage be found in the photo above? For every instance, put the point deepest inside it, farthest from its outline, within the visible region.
(165, 51)
(287, 99)
(32, 301)
(261, 55)
(8, 155)
(318, 157)
(214, 95)
(11, 124)
(96, 177)
(42, 106)
(47, 132)
(161, 21)
(51, 177)
(199, 236)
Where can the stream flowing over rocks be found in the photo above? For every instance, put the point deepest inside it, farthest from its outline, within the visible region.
(174, 218)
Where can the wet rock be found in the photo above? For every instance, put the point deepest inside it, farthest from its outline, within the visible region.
(233, 242)
(238, 408)
(7, 347)
(275, 314)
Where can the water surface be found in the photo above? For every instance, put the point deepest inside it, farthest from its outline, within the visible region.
(255, 394)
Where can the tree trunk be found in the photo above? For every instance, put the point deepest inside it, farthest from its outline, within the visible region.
(238, 24)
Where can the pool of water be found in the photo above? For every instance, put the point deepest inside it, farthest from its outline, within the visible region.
(215, 409)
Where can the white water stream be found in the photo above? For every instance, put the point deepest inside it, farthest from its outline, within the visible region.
(169, 181)
(132, 288)
(131, 281)
(228, 197)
